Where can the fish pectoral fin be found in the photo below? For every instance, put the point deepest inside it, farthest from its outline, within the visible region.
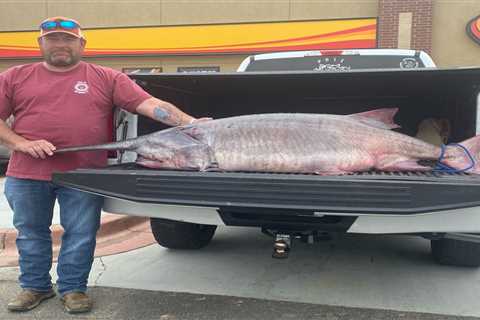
(199, 156)
(395, 162)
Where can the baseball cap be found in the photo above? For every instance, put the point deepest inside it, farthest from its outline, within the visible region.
(60, 24)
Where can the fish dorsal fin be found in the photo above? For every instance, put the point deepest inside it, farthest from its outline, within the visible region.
(379, 118)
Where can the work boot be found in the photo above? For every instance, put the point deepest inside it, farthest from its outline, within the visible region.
(76, 302)
(29, 299)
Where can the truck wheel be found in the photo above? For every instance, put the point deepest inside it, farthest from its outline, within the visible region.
(456, 252)
(181, 235)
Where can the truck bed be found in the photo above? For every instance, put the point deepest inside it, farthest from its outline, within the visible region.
(370, 192)
(418, 94)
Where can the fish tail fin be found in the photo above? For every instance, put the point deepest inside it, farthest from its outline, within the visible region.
(465, 156)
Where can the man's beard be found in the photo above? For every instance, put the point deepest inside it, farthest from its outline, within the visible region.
(62, 62)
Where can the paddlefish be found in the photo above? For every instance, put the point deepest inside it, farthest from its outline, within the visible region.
(323, 144)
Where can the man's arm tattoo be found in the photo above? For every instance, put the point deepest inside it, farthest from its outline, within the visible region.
(160, 114)
(165, 116)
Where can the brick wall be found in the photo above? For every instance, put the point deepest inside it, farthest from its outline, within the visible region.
(421, 28)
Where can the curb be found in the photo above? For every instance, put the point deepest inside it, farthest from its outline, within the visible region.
(117, 233)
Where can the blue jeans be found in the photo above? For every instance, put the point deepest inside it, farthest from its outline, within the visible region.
(32, 202)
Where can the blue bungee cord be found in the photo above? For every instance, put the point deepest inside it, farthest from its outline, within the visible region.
(442, 167)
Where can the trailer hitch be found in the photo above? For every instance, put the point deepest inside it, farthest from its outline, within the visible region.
(283, 240)
(281, 245)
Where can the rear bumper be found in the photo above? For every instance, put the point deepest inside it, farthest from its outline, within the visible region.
(465, 220)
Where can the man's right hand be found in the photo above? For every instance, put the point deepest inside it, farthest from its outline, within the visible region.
(36, 148)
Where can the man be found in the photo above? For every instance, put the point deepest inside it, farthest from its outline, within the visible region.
(58, 102)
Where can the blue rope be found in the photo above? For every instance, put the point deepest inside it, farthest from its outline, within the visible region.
(442, 167)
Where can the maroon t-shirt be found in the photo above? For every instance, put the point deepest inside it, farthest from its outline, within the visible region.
(65, 108)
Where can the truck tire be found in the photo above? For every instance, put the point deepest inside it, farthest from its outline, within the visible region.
(181, 235)
(456, 252)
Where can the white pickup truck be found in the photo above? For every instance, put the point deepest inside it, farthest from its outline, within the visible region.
(186, 207)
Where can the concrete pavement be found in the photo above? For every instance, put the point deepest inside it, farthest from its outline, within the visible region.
(357, 277)
(380, 272)
(367, 272)
(120, 304)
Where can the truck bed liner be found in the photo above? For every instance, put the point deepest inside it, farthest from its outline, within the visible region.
(370, 192)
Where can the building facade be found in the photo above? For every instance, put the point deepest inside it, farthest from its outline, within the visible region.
(207, 35)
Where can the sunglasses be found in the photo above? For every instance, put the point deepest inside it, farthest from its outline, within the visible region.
(59, 24)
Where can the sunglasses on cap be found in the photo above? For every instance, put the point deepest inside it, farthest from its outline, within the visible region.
(59, 24)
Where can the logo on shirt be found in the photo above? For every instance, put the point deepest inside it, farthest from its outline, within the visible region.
(81, 87)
